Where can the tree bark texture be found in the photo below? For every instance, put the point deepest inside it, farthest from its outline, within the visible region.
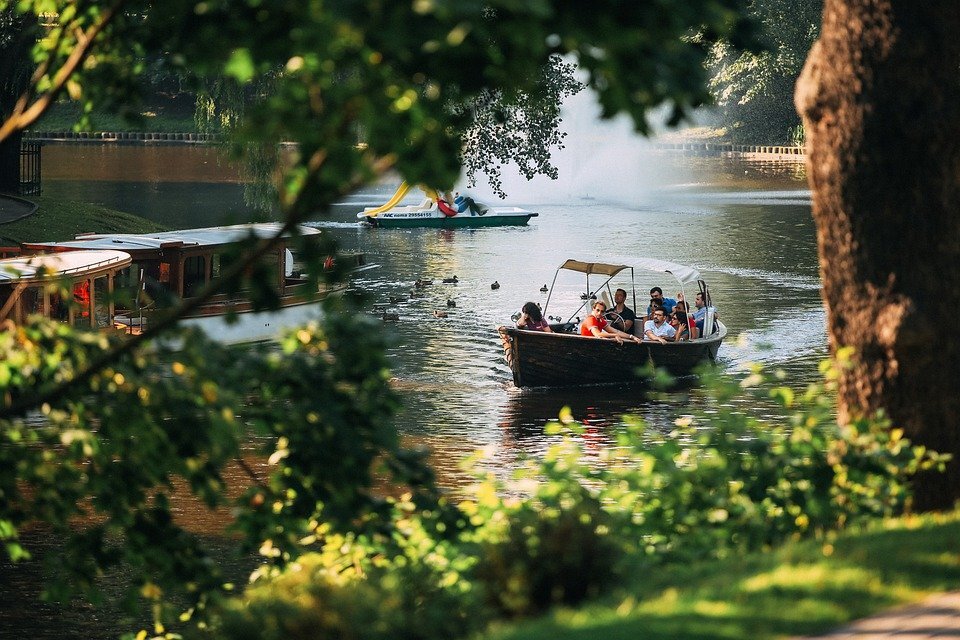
(880, 101)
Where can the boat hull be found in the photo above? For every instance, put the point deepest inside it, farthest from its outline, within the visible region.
(434, 218)
(540, 359)
(238, 322)
(255, 326)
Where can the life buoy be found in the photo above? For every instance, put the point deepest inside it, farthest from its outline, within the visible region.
(446, 209)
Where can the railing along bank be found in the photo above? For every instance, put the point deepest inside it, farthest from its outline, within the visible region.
(733, 150)
(692, 148)
(122, 136)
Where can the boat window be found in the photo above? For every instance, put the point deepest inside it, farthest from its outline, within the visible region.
(101, 302)
(153, 276)
(272, 262)
(194, 275)
(218, 265)
(7, 311)
(81, 299)
(31, 301)
(125, 285)
(59, 310)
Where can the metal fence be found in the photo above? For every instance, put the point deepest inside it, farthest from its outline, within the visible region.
(30, 168)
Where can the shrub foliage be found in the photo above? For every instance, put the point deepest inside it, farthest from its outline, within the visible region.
(568, 527)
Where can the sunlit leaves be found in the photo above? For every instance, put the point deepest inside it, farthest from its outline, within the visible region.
(755, 89)
(240, 66)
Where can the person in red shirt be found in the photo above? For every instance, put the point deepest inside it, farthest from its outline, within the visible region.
(597, 326)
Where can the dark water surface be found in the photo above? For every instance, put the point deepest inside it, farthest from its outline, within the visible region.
(746, 226)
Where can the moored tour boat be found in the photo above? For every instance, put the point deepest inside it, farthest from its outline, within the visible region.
(174, 265)
(435, 211)
(563, 357)
(84, 298)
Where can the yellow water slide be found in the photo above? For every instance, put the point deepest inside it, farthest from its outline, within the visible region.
(392, 202)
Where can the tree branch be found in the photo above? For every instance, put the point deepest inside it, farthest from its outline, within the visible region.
(23, 116)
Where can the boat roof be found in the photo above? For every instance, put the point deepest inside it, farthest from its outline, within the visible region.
(684, 274)
(22, 269)
(209, 236)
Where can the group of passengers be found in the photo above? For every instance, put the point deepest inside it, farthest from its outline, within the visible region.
(667, 319)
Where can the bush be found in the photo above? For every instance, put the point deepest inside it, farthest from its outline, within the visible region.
(406, 586)
(566, 529)
(557, 546)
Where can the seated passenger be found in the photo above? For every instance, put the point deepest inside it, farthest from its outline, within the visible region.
(700, 315)
(620, 315)
(658, 329)
(653, 306)
(532, 319)
(684, 326)
(597, 326)
(656, 295)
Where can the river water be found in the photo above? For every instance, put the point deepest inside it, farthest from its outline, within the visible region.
(745, 225)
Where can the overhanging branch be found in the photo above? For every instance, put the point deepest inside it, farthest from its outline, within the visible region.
(25, 114)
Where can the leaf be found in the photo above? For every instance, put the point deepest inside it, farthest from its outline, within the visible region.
(240, 65)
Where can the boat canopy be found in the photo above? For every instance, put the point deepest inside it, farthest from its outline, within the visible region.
(591, 268)
(35, 268)
(686, 275)
(210, 236)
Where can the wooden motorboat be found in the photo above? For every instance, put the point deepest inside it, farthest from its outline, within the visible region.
(84, 297)
(174, 265)
(436, 211)
(563, 357)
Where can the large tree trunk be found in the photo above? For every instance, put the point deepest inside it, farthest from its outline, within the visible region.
(880, 101)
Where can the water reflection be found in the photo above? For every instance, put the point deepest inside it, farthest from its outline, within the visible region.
(180, 186)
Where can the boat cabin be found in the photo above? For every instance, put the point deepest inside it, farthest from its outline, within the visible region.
(174, 265)
(76, 288)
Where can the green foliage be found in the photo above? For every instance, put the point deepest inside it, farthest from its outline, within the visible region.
(546, 538)
(522, 130)
(735, 483)
(568, 528)
(16, 33)
(755, 90)
(110, 451)
(390, 70)
(408, 584)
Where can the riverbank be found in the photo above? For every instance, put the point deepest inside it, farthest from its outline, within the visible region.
(799, 590)
(56, 219)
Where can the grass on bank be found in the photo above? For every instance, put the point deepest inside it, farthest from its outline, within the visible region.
(800, 589)
(58, 219)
